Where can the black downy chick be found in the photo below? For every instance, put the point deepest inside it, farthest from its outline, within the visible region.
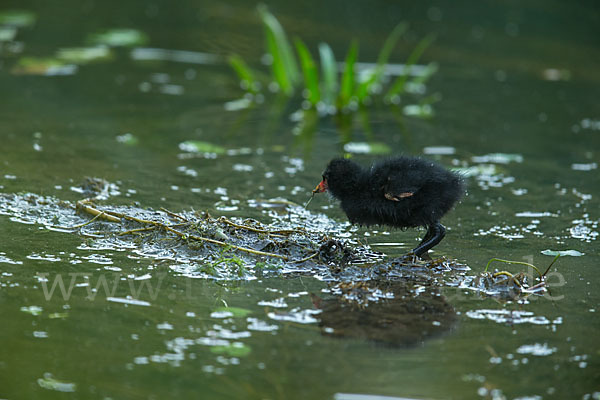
(402, 192)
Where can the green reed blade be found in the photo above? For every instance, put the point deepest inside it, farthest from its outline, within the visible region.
(284, 65)
(309, 71)
(398, 86)
(244, 73)
(347, 86)
(364, 87)
(329, 71)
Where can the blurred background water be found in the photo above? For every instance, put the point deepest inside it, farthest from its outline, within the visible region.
(519, 87)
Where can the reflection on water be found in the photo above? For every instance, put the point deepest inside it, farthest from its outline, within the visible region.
(397, 313)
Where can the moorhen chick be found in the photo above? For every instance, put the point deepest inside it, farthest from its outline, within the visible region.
(402, 192)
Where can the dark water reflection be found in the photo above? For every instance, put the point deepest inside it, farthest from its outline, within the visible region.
(401, 318)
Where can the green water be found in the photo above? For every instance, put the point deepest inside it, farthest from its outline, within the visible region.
(514, 79)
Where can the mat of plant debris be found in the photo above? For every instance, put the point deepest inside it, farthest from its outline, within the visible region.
(391, 300)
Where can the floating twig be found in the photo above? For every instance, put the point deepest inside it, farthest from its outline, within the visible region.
(305, 258)
(257, 230)
(172, 214)
(81, 205)
(132, 231)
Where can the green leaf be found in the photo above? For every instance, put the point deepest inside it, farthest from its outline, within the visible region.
(329, 71)
(498, 158)
(367, 148)
(375, 77)
(238, 104)
(237, 349)
(418, 110)
(7, 33)
(309, 70)
(128, 139)
(236, 312)
(84, 55)
(43, 66)
(48, 382)
(477, 170)
(572, 253)
(347, 86)
(33, 310)
(125, 37)
(244, 73)
(398, 86)
(197, 146)
(58, 315)
(17, 18)
(427, 73)
(284, 66)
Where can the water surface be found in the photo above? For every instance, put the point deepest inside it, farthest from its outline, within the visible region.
(519, 80)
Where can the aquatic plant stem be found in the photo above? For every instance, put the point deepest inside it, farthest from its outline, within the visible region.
(513, 262)
(553, 261)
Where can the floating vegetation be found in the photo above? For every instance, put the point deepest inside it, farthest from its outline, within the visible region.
(65, 63)
(562, 253)
(511, 317)
(554, 74)
(204, 246)
(7, 33)
(50, 383)
(33, 310)
(182, 56)
(43, 66)
(439, 150)
(506, 286)
(227, 312)
(120, 37)
(17, 18)
(205, 148)
(418, 110)
(84, 55)
(377, 148)
(323, 88)
(487, 175)
(589, 123)
(128, 139)
(584, 166)
(498, 158)
(235, 349)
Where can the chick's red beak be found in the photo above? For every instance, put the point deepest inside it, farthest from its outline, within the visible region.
(321, 187)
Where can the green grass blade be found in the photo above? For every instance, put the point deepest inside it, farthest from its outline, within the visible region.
(329, 71)
(365, 86)
(347, 87)
(430, 69)
(309, 70)
(280, 75)
(285, 68)
(244, 73)
(390, 43)
(398, 86)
